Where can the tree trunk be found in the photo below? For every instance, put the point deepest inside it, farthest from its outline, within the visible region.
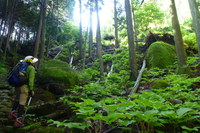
(43, 32)
(57, 29)
(180, 51)
(2, 35)
(18, 38)
(80, 33)
(135, 30)
(84, 47)
(4, 14)
(10, 26)
(132, 51)
(1, 26)
(116, 24)
(98, 40)
(37, 41)
(91, 30)
(196, 24)
(49, 36)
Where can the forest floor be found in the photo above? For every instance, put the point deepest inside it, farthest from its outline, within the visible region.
(5, 108)
(32, 124)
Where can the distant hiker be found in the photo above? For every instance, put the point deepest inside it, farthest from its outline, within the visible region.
(23, 90)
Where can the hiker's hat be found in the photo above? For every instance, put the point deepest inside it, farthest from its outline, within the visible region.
(30, 59)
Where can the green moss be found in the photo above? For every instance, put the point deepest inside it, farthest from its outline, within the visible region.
(50, 130)
(160, 83)
(48, 96)
(161, 55)
(57, 72)
(29, 127)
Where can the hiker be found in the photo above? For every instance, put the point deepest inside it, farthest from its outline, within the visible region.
(22, 92)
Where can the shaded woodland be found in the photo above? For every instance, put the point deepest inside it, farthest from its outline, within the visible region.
(138, 74)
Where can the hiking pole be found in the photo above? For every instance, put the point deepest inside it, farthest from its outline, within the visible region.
(29, 101)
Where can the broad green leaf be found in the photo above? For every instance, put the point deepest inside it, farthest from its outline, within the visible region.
(182, 111)
(77, 125)
(191, 129)
(126, 122)
(113, 117)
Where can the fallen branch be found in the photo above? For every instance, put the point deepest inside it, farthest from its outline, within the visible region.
(135, 87)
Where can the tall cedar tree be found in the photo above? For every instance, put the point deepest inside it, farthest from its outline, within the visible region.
(116, 24)
(180, 51)
(43, 32)
(98, 40)
(132, 51)
(91, 4)
(196, 22)
(37, 41)
(80, 32)
(3, 21)
(11, 21)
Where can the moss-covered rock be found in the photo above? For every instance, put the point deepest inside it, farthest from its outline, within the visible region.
(48, 96)
(160, 84)
(160, 55)
(29, 128)
(57, 72)
(50, 130)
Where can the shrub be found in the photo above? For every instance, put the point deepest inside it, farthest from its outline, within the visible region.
(190, 44)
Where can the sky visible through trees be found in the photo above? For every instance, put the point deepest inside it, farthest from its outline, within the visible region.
(106, 13)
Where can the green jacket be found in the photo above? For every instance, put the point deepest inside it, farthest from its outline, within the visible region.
(30, 75)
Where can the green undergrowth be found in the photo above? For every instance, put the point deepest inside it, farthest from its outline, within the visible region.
(172, 107)
(3, 73)
(60, 73)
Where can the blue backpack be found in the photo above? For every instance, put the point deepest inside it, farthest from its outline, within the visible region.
(17, 76)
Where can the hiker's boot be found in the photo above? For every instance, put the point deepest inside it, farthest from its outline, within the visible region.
(19, 122)
(12, 115)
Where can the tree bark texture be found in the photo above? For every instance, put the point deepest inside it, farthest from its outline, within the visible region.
(196, 21)
(180, 51)
(98, 40)
(116, 24)
(91, 29)
(37, 41)
(135, 30)
(10, 25)
(80, 32)
(132, 51)
(43, 32)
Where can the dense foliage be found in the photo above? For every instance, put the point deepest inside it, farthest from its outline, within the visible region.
(70, 94)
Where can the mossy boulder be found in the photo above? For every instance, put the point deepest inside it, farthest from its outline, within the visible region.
(160, 55)
(57, 72)
(29, 128)
(50, 130)
(160, 84)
